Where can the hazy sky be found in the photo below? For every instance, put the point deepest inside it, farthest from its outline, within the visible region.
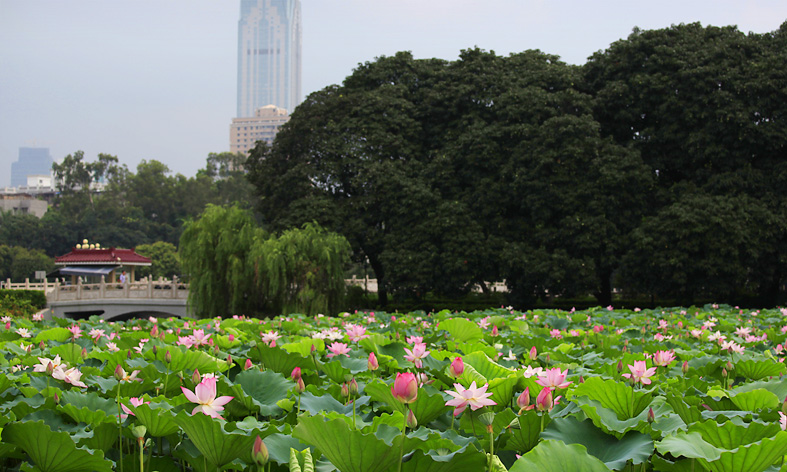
(156, 79)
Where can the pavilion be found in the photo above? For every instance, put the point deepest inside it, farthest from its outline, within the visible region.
(91, 262)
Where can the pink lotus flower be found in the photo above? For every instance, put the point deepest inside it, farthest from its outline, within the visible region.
(338, 349)
(415, 339)
(418, 353)
(71, 376)
(531, 371)
(555, 333)
(405, 387)
(523, 400)
(24, 332)
(783, 421)
(640, 372)
(663, 358)
(473, 397)
(135, 401)
(204, 395)
(554, 378)
(356, 332)
(270, 338)
(457, 367)
(76, 331)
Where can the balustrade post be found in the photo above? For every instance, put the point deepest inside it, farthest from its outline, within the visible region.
(125, 288)
(102, 288)
(174, 286)
(150, 286)
(27, 284)
(79, 288)
(57, 290)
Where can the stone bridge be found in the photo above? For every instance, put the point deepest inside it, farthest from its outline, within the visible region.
(117, 301)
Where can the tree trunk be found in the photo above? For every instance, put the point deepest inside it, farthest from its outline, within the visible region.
(604, 295)
(382, 285)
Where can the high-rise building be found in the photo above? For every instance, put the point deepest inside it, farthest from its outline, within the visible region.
(32, 161)
(263, 126)
(269, 55)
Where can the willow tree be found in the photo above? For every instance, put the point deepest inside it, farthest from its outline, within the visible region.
(213, 254)
(302, 271)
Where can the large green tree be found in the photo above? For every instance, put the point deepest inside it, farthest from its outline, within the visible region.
(704, 107)
(447, 174)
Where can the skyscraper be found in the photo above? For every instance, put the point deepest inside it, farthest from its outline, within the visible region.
(32, 161)
(269, 55)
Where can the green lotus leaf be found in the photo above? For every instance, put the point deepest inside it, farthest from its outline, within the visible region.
(52, 334)
(615, 453)
(757, 370)
(88, 407)
(53, 451)
(158, 419)
(348, 449)
(556, 456)
(776, 386)
(470, 421)
(314, 404)
(689, 445)
(611, 394)
(486, 366)
(70, 353)
(303, 346)
(429, 405)
(686, 412)
(218, 446)
(5, 383)
(336, 371)
(525, 431)
(184, 359)
(462, 330)
(467, 459)
(279, 360)
(607, 419)
(265, 389)
(354, 365)
(104, 436)
(754, 400)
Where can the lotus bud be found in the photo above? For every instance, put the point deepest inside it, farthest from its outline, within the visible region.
(548, 359)
(620, 366)
(296, 373)
(533, 353)
(412, 422)
(215, 349)
(7, 325)
(730, 366)
(494, 331)
(784, 406)
(685, 367)
(57, 399)
(312, 349)
(457, 367)
(353, 386)
(119, 373)
(161, 335)
(195, 377)
(581, 379)
(259, 452)
(84, 353)
(154, 331)
(651, 415)
(50, 368)
(372, 363)
(41, 345)
(523, 400)
(232, 337)
(247, 365)
(168, 357)
(229, 360)
(724, 372)
(345, 390)
(128, 354)
(300, 387)
(405, 387)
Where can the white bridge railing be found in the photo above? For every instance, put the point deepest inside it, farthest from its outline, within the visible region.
(143, 289)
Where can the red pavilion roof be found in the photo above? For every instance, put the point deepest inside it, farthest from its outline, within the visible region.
(110, 256)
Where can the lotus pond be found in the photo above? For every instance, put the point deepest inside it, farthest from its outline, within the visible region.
(673, 389)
